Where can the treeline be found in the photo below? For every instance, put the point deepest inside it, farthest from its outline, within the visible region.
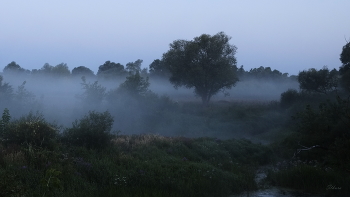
(111, 70)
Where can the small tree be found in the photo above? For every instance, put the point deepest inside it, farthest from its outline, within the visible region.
(135, 85)
(93, 92)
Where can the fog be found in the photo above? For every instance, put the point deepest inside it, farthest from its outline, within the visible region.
(60, 101)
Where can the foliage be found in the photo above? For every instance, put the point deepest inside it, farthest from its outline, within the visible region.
(23, 96)
(344, 70)
(51, 182)
(323, 134)
(93, 92)
(4, 122)
(158, 69)
(13, 68)
(111, 70)
(135, 85)
(82, 71)
(92, 131)
(6, 91)
(206, 64)
(31, 130)
(61, 70)
(289, 97)
(321, 81)
(134, 67)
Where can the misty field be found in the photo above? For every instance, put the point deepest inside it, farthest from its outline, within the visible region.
(135, 136)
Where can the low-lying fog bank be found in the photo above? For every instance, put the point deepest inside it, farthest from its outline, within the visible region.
(60, 101)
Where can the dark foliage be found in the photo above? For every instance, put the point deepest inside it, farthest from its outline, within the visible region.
(92, 131)
(111, 70)
(321, 81)
(207, 64)
(82, 71)
(30, 130)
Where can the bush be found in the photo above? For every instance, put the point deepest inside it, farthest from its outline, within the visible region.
(92, 131)
(30, 130)
(289, 97)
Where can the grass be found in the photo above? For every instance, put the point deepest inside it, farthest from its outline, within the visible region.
(137, 165)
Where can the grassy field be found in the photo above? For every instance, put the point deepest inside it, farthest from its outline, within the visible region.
(37, 159)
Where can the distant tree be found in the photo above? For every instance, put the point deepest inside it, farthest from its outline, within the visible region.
(61, 70)
(6, 92)
(82, 71)
(134, 67)
(135, 85)
(207, 64)
(13, 68)
(266, 73)
(344, 70)
(46, 69)
(23, 96)
(321, 81)
(144, 72)
(93, 93)
(158, 69)
(111, 70)
(241, 71)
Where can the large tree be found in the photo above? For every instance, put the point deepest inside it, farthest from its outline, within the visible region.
(344, 70)
(206, 63)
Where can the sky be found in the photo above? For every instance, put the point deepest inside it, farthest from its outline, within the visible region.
(289, 36)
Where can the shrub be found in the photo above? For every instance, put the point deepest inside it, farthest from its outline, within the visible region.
(289, 97)
(92, 131)
(31, 130)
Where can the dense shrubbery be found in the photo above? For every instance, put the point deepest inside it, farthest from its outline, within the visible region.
(92, 131)
(30, 130)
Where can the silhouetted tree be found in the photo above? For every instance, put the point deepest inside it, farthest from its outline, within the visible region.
(82, 71)
(344, 70)
(134, 67)
(135, 85)
(111, 70)
(158, 69)
(207, 64)
(13, 68)
(321, 81)
(61, 70)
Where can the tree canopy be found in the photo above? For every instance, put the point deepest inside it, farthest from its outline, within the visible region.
(82, 71)
(344, 70)
(110, 69)
(206, 63)
(321, 81)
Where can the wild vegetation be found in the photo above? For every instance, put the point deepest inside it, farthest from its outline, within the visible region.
(119, 136)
